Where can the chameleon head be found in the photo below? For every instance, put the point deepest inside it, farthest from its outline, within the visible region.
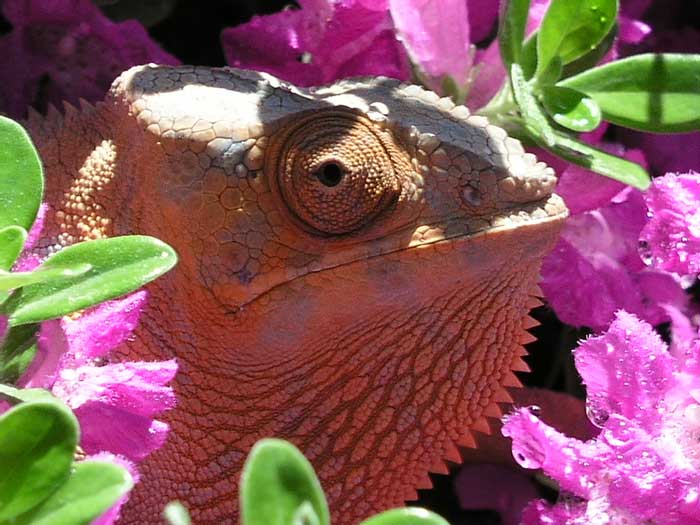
(358, 262)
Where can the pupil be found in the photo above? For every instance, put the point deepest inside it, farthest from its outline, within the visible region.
(330, 175)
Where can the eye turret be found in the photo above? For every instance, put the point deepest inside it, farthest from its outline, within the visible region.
(335, 171)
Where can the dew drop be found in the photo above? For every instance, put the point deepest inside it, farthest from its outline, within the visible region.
(597, 415)
(535, 410)
(645, 252)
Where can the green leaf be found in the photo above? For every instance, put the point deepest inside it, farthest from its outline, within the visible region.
(535, 119)
(406, 516)
(511, 31)
(93, 487)
(651, 92)
(175, 513)
(572, 28)
(13, 280)
(37, 443)
(21, 178)
(599, 161)
(590, 59)
(571, 109)
(17, 351)
(119, 265)
(17, 395)
(11, 243)
(276, 481)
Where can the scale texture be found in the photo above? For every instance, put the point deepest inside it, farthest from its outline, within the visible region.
(357, 263)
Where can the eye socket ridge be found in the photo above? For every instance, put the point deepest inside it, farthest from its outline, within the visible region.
(330, 173)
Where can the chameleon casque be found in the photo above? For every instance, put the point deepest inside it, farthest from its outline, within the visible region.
(357, 263)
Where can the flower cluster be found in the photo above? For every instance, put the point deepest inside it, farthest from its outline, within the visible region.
(646, 402)
(115, 403)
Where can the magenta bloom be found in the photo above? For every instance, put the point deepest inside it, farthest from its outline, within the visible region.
(672, 234)
(436, 36)
(114, 403)
(643, 467)
(596, 269)
(319, 43)
(66, 50)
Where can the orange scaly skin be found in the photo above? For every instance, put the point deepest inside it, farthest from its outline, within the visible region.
(357, 265)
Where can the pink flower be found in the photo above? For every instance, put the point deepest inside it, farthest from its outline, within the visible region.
(436, 36)
(319, 43)
(647, 404)
(672, 234)
(114, 403)
(596, 269)
(66, 50)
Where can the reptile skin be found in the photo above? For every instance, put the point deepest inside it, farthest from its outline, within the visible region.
(357, 263)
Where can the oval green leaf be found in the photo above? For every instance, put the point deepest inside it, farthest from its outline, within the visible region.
(92, 488)
(11, 243)
(651, 92)
(406, 516)
(599, 161)
(14, 280)
(276, 481)
(119, 265)
(572, 28)
(21, 177)
(37, 444)
(570, 108)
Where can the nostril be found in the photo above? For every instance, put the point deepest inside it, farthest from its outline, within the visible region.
(471, 196)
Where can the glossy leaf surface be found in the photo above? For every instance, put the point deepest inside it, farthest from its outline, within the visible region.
(650, 92)
(276, 481)
(570, 108)
(406, 516)
(119, 265)
(21, 178)
(37, 444)
(92, 488)
(573, 28)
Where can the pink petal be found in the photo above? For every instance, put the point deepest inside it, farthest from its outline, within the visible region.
(99, 331)
(111, 516)
(537, 445)
(539, 512)
(672, 235)
(586, 290)
(483, 16)
(495, 487)
(52, 347)
(110, 428)
(71, 49)
(319, 43)
(436, 36)
(490, 75)
(138, 387)
(632, 31)
(627, 371)
(35, 230)
(584, 190)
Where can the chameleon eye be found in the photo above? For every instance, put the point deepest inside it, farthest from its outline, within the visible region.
(334, 171)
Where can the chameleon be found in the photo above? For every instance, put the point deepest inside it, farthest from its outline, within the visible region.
(357, 265)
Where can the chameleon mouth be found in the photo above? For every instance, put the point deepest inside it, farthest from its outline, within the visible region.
(549, 211)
